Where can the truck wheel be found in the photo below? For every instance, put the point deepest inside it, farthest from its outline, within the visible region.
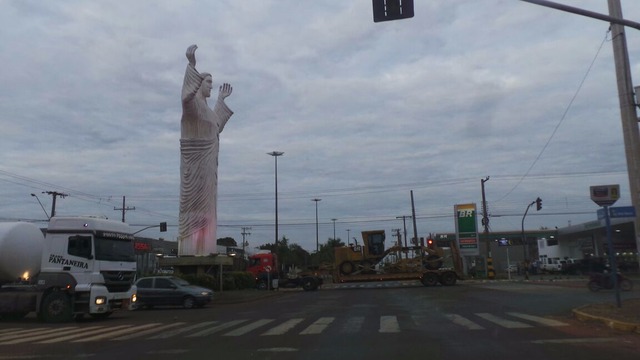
(56, 307)
(429, 279)
(308, 284)
(188, 302)
(448, 278)
(433, 262)
(346, 268)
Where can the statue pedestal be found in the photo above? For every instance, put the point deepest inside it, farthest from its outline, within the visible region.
(195, 265)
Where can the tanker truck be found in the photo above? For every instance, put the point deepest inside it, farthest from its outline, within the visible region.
(74, 267)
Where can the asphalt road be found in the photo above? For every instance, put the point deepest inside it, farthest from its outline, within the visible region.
(365, 321)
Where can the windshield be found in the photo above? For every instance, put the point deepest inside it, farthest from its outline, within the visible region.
(114, 250)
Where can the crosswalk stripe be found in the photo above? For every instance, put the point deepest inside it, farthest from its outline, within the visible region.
(148, 331)
(503, 322)
(175, 332)
(389, 324)
(79, 335)
(32, 332)
(462, 321)
(538, 319)
(249, 327)
(116, 333)
(47, 334)
(318, 326)
(353, 325)
(215, 329)
(283, 328)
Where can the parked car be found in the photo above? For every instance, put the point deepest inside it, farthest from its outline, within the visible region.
(171, 291)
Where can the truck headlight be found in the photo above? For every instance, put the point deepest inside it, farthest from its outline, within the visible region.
(101, 300)
(134, 298)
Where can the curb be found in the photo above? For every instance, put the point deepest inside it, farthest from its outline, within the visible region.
(613, 324)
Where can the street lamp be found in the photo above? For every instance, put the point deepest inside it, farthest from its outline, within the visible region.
(334, 229)
(275, 155)
(316, 200)
(45, 211)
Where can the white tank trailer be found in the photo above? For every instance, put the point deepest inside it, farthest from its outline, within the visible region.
(77, 266)
(21, 246)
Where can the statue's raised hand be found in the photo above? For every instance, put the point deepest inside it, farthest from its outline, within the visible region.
(225, 90)
(191, 54)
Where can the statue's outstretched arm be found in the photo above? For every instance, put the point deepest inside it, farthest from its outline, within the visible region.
(225, 91)
(192, 77)
(191, 54)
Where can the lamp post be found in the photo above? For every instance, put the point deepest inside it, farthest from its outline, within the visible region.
(275, 155)
(348, 234)
(316, 201)
(42, 206)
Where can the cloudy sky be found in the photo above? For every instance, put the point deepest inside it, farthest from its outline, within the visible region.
(364, 112)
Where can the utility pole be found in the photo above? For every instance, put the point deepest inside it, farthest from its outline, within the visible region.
(485, 217)
(317, 241)
(55, 195)
(124, 208)
(245, 232)
(334, 229)
(397, 235)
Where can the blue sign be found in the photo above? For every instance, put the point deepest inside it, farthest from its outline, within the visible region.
(618, 212)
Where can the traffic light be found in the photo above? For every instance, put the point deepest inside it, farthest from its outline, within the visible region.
(163, 226)
(385, 10)
(430, 243)
(538, 204)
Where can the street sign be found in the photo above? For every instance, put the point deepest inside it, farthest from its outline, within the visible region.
(618, 212)
(605, 195)
(467, 229)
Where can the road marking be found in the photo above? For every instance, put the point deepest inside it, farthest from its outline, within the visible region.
(220, 327)
(183, 330)
(538, 319)
(462, 321)
(283, 328)
(117, 332)
(249, 327)
(509, 324)
(75, 336)
(32, 332)
(353, 325)
(318, 326)
(389, 324)
(573, 341)
(149, 331)
(47, 334)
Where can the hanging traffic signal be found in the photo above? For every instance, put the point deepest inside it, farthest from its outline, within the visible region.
(163, 226)
(385, 10)
(538, 204)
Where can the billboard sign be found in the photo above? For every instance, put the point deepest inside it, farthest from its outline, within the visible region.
(605, 195)
(467, 229)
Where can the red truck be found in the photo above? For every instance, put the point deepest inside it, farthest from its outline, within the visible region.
(264, 267)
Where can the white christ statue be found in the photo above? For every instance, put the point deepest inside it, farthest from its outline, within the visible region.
(199, 145)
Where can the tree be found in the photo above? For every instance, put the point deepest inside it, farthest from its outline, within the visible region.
(227, 241)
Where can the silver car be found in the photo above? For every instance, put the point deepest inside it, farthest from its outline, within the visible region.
(171, 291)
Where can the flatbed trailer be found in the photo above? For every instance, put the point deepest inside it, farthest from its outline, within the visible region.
(445, 277)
